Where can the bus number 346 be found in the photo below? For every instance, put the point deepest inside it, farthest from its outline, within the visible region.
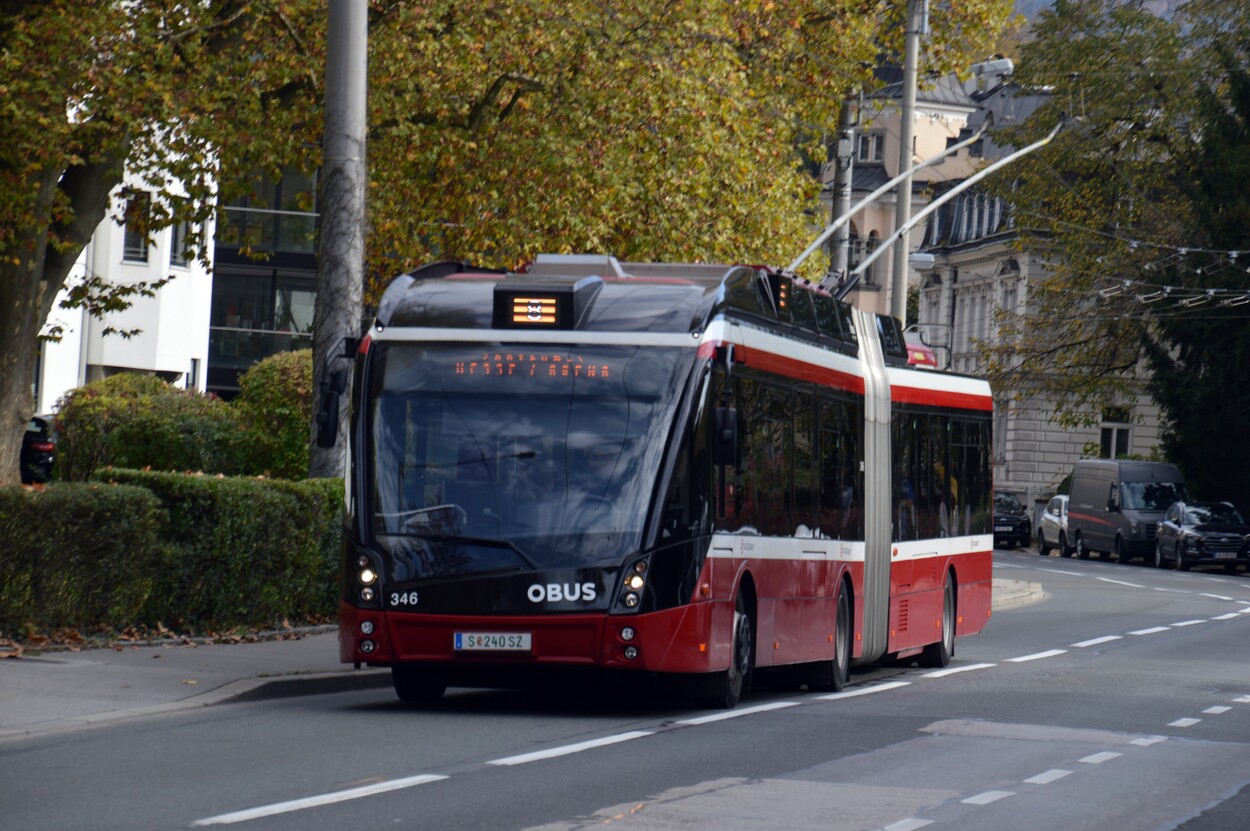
(403, 598)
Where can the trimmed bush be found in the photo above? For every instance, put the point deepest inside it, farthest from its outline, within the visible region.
(80, 556)
(242, 552)
(275, 403)
(139, 421)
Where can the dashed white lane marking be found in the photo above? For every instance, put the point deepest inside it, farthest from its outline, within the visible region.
(1228, 616)
(865, 691)
(987, 797)
(567, 749)
(1215, 711)
(315, 801)
(1187, 623)
(1049, 776)
(1184, 722)
(1152, 630)
(1171, 591)
(1037, 656)
(1061, 571)
(1147, 741)
(942, 673)
(1121, 583)
(1096, 641)
(1215, 596)
(1245, 699)
(908, 825)
(745, 711)
(1099, 758)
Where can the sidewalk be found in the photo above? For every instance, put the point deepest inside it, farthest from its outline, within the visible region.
(59, 690)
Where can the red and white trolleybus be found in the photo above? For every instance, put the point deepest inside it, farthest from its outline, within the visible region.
(700, 470)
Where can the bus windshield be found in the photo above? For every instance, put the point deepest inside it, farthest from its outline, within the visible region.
(497, 457)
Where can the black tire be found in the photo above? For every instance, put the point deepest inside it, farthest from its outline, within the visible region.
(833, 675)
(939, 654)
(1042, 548)
(1065, 550)
(1182, 561)
(1082, 553)
(1120, 556)
(417, 684)
(729, 686)
(1158, 555)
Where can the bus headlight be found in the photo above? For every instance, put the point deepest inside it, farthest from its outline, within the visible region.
(633, 584)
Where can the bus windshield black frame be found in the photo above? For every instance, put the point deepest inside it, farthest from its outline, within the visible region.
(489, 458)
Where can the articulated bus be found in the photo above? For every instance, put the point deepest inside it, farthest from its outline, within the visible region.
(698, 472)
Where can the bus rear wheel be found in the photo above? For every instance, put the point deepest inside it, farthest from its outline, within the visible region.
(729, 686)
(939, 654)
(832, 675)
(417, 684)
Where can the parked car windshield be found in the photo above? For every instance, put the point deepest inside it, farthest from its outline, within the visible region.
(1007, 503)
(1205, 514)
(1150, 496)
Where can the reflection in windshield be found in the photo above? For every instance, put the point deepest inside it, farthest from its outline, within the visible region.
(1212, 514)
(1150, 496)
(498, 458)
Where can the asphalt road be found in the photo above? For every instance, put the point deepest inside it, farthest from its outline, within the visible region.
(1119, 700)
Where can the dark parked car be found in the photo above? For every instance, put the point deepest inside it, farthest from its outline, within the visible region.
(1012, 526)
(38, 450)
(1202, 532)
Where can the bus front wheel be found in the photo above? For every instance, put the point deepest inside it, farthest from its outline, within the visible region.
(729, 686)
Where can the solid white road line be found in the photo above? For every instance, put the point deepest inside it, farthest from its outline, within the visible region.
(745, 711)
(568, 749)
(942, 673)
(1096, 641)
(865, 691)
(315, 801)
(1037, 656)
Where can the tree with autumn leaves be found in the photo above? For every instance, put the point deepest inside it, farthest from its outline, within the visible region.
(653, 130)
(1141, 208)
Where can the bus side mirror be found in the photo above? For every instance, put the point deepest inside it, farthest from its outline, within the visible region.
(332, 387)
(725, 436)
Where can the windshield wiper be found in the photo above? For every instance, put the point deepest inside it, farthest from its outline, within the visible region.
(485, 542)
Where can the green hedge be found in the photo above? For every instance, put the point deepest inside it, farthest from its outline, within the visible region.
(80, 556)
(139, 421)
(191, 553)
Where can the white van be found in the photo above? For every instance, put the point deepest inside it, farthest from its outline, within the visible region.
(1114, 506)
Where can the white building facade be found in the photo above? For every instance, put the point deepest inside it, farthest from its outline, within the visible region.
(170, 329)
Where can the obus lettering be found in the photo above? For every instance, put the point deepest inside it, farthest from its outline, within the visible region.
(556, 592)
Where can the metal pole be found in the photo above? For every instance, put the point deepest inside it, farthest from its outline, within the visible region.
(872, 197)
(341, 244)
(939, 202)
(898, 283)
(840, 262)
